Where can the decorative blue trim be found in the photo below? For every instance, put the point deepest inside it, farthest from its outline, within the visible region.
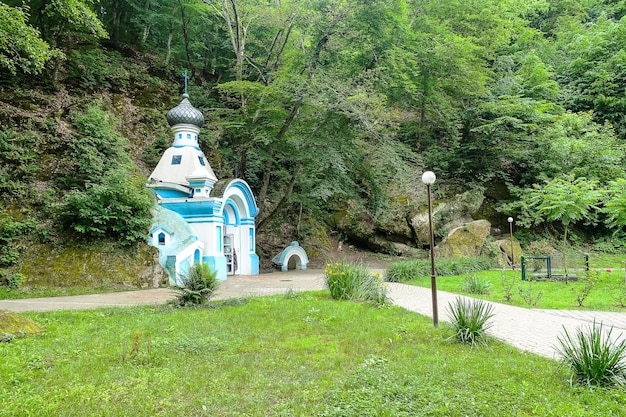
(227, 219)
(218, 264)
(254, 264)
(163, 228)
(247, 193)
(294, 249)
(170, 193)
(215, 219)
(186, 146)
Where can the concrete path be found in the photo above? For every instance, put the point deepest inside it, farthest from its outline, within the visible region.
(531, 330)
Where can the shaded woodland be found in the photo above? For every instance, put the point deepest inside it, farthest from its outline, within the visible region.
(329, 109)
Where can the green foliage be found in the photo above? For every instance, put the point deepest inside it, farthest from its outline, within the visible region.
(354, 282)
(10, 232)
(96, 149)
(18, 164)
(13, 281)
(107, 198)
(407, 270)
(615, 244)
(21, 46)
(118, 207)
(615, 203)
(197, 286)
(470, 320)
(93, 69)
(475, 284)
(594, 357)
(565, 199)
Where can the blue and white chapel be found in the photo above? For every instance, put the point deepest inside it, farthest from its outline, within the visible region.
(198, 217)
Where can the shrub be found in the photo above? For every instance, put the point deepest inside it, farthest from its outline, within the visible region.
(119, 207)
(470, 320)
(354, 282)
(594, 359)
(15, 281)
(407, 270)
(474, 284)
(197, 286)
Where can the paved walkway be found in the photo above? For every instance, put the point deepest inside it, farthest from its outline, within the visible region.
(535, 331)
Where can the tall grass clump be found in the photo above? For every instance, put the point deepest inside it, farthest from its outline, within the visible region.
(594, 359)
(348, 281)
(475, 284)
(197, 286)
(407, 270)
(419, 268)
(470, 320)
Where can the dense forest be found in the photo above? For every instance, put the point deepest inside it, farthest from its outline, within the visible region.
(329, 109)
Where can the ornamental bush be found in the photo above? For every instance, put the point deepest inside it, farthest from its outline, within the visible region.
(198, 285)
(347, 281)
(594, 357)
(470, 320)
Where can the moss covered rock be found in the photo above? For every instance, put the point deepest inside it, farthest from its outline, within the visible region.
(465, 241)
(13, 325)
(91, 265)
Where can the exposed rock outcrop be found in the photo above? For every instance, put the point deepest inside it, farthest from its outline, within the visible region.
(465, 241)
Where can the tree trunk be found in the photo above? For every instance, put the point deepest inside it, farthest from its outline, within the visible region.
(284, 199)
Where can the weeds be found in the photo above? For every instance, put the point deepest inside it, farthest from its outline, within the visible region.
(589, 283)
(470, 320)
(508, 284)
(594, 359)
(529, 296)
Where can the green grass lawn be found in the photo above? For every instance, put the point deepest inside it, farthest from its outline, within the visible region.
(608, 294)
(7, 293)
(298, 355)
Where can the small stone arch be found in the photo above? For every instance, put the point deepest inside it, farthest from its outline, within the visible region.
(292, 257)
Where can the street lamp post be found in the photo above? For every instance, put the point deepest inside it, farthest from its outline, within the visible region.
(510, 220)
(429, 178)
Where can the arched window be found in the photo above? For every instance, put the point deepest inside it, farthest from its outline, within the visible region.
(161, 238)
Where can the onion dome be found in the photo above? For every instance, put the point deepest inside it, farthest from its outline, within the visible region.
(185, 113)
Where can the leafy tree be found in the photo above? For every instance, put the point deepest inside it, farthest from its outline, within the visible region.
(615, 204)
(21, 46)
(567, 200)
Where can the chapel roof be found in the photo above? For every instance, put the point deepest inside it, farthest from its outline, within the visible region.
(185, 113)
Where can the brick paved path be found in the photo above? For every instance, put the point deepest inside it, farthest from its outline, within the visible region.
(532, 330)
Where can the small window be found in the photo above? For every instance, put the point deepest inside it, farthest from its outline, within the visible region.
(176, 159)
(161, 238)
(198, 190)
(180, 136)
(201, 159)
(195, 137)
(188, 135)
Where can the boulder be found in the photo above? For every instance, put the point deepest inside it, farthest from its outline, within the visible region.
(448, 215)
(13, 325)
(465, 241)
(504, 244)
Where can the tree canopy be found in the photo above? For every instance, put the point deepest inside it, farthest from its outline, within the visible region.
(332, 108)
